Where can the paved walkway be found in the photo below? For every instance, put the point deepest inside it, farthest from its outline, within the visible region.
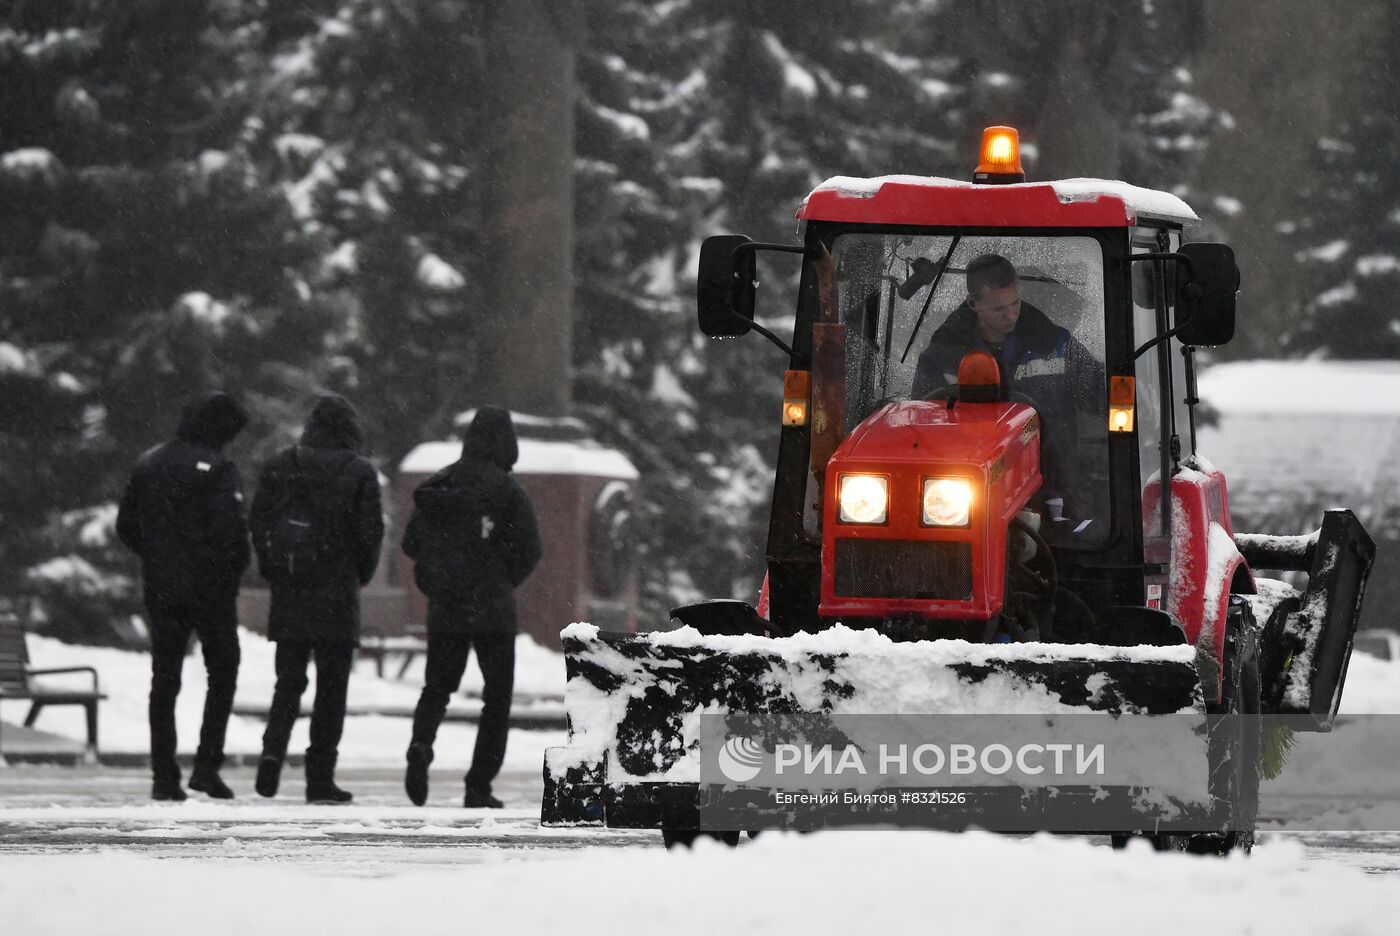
(17, 741)
(537, 713)
(49, 810)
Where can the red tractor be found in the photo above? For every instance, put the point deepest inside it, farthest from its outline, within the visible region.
(989, 387)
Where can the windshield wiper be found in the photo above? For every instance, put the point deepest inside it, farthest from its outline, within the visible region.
(942, 268)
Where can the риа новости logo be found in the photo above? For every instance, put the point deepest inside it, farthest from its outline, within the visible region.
(741, 759)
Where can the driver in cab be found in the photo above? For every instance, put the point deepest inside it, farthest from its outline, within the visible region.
(1034, 354)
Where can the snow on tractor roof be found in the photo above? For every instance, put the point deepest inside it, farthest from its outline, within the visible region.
(927, 200)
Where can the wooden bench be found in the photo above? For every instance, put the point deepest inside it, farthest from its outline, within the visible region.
(378, 647)
(15, 675)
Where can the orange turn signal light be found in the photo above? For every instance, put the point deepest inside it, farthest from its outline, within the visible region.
(1122, 395)
(797, 387)
(1000, 159)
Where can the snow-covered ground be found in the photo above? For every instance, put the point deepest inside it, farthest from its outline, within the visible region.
(82, 851)
(851, 882)
(1373, 686)
(369, 739)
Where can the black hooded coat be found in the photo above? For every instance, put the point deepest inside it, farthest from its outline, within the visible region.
(182, 512)
(473, 536)
(327, 608)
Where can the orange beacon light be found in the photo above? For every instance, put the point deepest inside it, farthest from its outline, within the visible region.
(1000, 159)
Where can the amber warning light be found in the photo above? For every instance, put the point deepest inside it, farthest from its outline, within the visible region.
(1000, 160)
(1122, 393)
(797, 385)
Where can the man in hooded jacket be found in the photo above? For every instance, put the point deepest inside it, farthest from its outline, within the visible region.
(315, 612)
(182, 514)
(473, 539)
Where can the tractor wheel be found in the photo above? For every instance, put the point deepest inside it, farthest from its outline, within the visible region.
(685, 838)
(1236, 744)
(1161, 842)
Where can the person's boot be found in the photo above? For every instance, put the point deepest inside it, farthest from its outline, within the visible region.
(477, 798)
(326, 793)
(269, 775)
(205, 778)
(320, 781)
(415, 778)
(168, 789)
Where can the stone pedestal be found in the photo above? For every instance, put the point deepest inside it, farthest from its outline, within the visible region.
(583, 495)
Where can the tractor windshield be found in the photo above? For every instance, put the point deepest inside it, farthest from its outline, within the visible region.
(1040, 309)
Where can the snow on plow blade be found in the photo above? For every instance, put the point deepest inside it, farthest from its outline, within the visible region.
(635, 702)
(1306, 640)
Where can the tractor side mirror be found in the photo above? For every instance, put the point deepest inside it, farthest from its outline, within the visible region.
(725, 288)
(1205, 300)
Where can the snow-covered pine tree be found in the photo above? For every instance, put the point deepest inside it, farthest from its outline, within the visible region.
(633, 319)
(1348, 231)
(375, 126)
(1096, 89)
(705, 117)
(141, 261)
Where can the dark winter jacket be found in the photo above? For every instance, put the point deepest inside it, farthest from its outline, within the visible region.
(473, 536)
(1039, 359)
(182, 512)
(321, 604)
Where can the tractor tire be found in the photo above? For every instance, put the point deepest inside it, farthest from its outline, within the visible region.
(1236, 746)
(686, 838)
(1162, 842)
(1235, 749)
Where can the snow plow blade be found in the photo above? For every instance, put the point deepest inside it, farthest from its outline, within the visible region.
(634, 701)
(1306, 641)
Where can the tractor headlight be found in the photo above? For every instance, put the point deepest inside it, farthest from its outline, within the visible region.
(864, 498)
(947, 502)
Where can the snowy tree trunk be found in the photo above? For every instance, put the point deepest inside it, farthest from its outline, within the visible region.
(1076, 133)
(528, 203)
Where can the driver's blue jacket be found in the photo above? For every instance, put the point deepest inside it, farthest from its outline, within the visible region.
(1039, 359)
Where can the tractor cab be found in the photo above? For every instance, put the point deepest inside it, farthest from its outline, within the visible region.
(1091, 325)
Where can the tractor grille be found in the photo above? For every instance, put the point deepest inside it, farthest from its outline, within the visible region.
(899, 569)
